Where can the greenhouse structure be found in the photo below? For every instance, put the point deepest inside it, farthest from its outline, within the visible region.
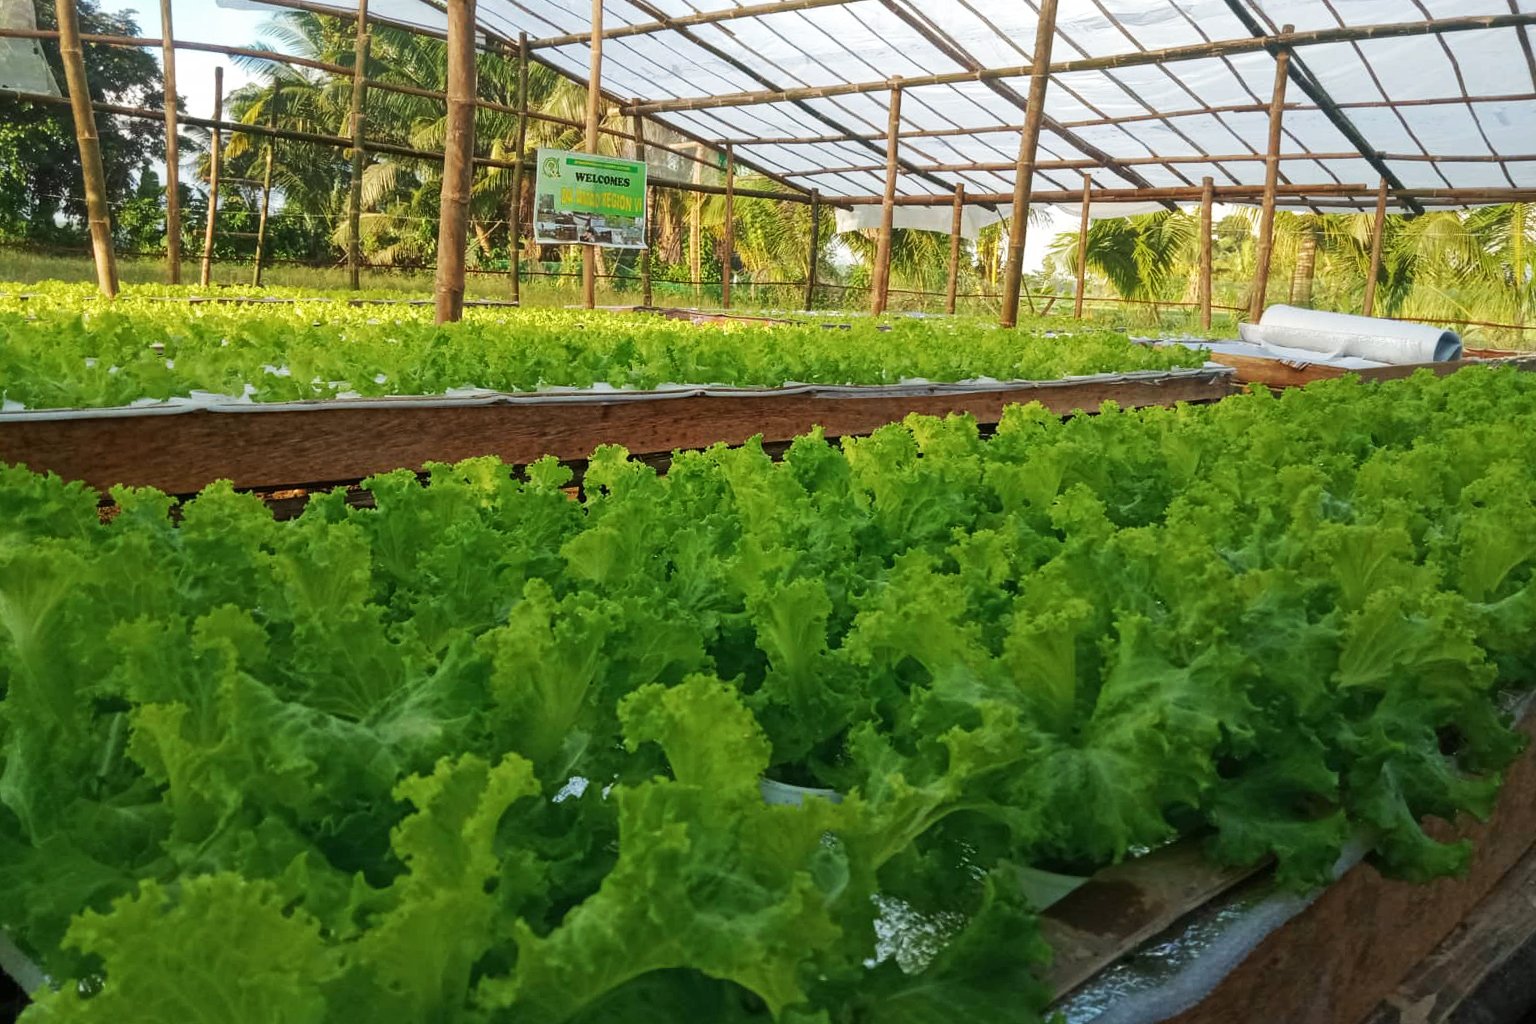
(369, 657)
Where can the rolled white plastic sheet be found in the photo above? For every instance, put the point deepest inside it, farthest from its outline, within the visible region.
(1343, 335)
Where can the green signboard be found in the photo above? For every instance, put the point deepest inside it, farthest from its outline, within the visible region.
(581, 198)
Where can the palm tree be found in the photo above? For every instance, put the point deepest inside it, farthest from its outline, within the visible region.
(1146, 257)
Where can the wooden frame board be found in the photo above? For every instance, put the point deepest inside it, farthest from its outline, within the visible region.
(1337, 960)
(344, 441)
(1282, 373)
(1485, 971)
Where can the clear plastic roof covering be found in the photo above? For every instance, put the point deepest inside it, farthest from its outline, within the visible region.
(21, 60)
(1451, 110)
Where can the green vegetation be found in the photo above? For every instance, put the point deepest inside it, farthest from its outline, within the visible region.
(1464, 269)
(63, 347)
(485, 753)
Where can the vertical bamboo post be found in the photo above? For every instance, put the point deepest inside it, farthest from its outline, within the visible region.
(458, 162)
(215, 159)
(1024, 174)
(956, 226)
(880, 280)
(515, 209)
(638, 125)
(360, 48)
(696, 230)
(1082, 247)
(266, 194)
(728, 245)
(1266, 242)
(594, 106)
(172, 148)
(1378, 228)
(813, 263)
(1207, 200)
(98, 211)
(647, 290)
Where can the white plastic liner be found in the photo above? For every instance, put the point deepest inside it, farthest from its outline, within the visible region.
(916, 218)
(21, 60)
(606, 395)
(1463, 94)
(1342, 334)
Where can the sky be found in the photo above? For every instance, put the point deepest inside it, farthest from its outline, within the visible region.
(205, 22)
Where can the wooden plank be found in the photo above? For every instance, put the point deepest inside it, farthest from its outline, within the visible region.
(1495, 943)
(1124, 905)
(1283, 373)
(181, 454)
(1334, 962)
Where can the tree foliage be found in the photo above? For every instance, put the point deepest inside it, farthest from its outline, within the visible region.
(42, 198)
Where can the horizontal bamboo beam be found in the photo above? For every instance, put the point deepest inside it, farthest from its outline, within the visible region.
(143, 42)
(490, 40)
(1120, 195)
(1232, 193)
(1125, 119)
(371, 146)
(1187, 158)
(1142, 58)
(341, 71)
(1229, 193)
(344, 15)
(503, 108)
(685, 21)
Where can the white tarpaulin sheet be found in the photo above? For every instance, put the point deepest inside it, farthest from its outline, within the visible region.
(917, 218)
(1452, 110)
(21, 60)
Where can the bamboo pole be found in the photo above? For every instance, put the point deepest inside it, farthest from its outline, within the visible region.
(1207, 200)
(594, 106)
(1266, 242)
(98, 211)
(1190, 193)
(1173, 161)
(645, 253)
(1108, 62)
(1082, 247)
(1378, 228)
(1125, 119)
(215, 158)
(646, 286)
(814, 261)
(218, 48)
(360, 47)
(728, 245)
(956, 225)
(880, 279)
(458, 162)
(172, 148)
(688, 20)
(515, 208)
(1023, 182)
(696, 235)
(266, 197)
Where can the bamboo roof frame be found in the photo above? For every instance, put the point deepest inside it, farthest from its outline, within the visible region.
(793, 82)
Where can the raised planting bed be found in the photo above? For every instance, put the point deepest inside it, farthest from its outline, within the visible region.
(1275, 372)
(1170, 937)
(182, 447)
(482, 752)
